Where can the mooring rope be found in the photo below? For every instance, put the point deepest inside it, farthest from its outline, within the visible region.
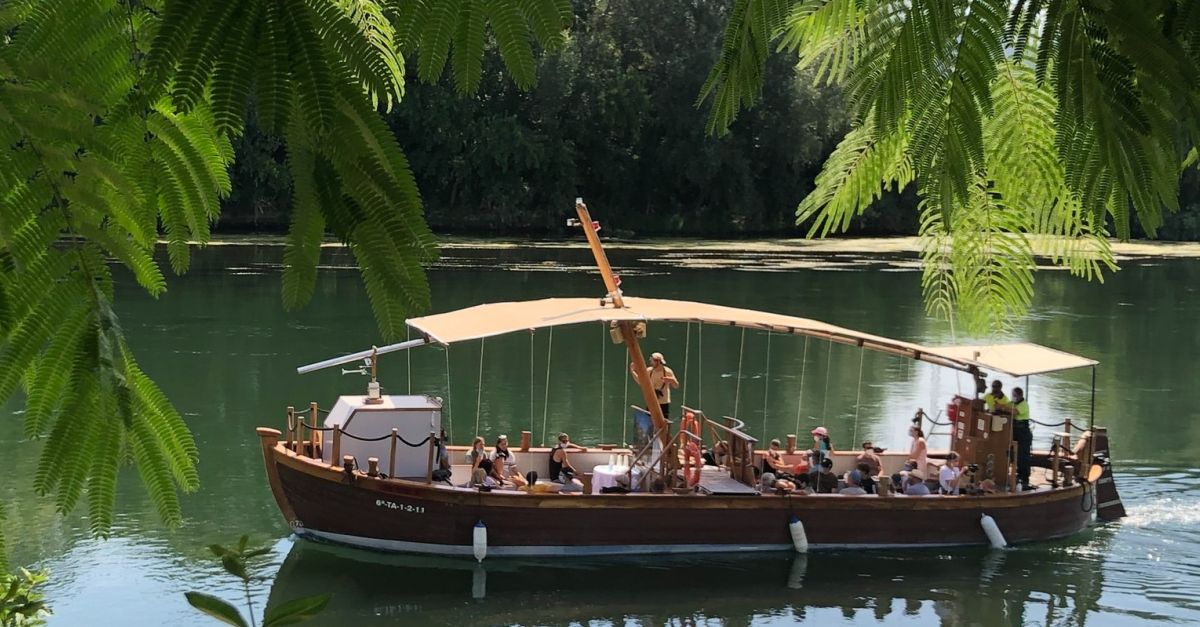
(408, 358)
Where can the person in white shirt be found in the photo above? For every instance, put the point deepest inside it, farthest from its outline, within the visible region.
(949, 474)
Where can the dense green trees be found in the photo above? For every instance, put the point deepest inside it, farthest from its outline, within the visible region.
(612, 118)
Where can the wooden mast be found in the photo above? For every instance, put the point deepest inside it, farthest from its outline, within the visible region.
(627, 331)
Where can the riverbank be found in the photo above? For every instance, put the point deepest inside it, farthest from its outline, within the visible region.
(797, 245)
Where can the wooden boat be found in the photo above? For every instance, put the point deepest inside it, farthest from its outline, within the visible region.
(393, 504)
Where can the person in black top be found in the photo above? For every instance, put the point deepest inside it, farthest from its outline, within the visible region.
(561, 469)
(822, 480)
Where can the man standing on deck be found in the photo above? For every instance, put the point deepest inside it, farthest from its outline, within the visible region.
(996, 401)
(1023, 436)
(662, 379)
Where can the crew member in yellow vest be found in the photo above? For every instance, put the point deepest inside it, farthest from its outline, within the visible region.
(1023, 436)
(996, 401)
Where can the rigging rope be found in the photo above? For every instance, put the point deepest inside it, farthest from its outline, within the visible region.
(625, 402)
(408, 358)
(603, 368)
(687, 348)
(531, 414)
(700, 364)
(546, 396)
(825, 400)
(766, 384)
(449, 415)
(803, 365)
(479, 392)
(737, 389)
(862, 352)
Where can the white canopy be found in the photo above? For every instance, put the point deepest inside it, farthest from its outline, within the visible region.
(494, 319)
(1017, 359)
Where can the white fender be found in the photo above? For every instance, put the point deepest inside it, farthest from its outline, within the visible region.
(993, 531)
(799, 538)
(480, 544)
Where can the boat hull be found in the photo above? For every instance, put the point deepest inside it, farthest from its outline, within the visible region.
(322, 503)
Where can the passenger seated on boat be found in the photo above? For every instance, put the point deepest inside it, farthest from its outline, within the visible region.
(853, 487)
(478, 479)
(561, 470)
(868, 457)
(493, 479)
(822, 480)
(773, 461)
(916, 484)
(899, 481)
(478, 452)
(505, 462)
(800, 485)
(948, 476)
(766, 482)
(717, 455)
(868, 479)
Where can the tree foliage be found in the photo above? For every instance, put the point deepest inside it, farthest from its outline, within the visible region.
(1027, 126)
(118, 118)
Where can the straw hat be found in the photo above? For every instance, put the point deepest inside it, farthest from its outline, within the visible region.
(917, 473)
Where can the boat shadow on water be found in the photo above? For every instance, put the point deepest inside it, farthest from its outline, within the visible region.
(1053, 583)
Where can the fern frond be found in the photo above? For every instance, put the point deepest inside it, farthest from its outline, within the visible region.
(303, 251)
(735, 82)
(364, 40)
(513, 41)
(315, 85)
(467, 58)
(856, 174)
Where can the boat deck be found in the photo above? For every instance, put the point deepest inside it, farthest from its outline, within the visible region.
(717, 481)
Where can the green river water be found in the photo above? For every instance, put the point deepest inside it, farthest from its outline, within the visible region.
(225, 352)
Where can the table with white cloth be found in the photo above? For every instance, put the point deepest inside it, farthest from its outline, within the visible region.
(605, 476)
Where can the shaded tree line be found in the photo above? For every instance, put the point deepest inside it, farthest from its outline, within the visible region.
(612, 118)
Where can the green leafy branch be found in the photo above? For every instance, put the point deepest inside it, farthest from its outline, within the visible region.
(237, 562)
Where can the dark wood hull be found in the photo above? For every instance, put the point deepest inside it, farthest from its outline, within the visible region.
(409, 516)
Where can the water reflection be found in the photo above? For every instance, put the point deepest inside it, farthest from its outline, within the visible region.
(951, 589)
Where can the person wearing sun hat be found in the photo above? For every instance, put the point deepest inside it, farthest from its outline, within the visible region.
(822, 446)
(662, 380)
